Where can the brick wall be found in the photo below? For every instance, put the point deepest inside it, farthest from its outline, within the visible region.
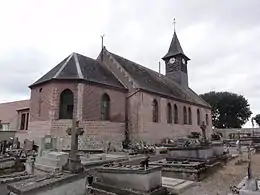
(96, 135)
(36, 130)
(44, 94)
(92, 103)
(142, 126)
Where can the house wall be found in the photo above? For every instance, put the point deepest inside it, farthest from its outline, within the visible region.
(152, 132)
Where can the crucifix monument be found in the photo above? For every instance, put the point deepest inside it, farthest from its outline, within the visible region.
(74, 163)
(174, 24)
(203, 129)
(251, 183)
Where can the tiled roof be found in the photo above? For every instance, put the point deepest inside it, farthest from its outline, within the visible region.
(77, 66)
(8, 111)
(175, 48)
(152, 81)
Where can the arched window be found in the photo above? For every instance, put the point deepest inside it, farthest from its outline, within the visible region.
(66, 104)
(105, 107)
(184, 115)
(169, 113)
(190, 116)
(198, 117)
(175, 114)
(207, 119)
(155, 111)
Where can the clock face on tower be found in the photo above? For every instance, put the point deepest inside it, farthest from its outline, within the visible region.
(172, 60)
(183, 61)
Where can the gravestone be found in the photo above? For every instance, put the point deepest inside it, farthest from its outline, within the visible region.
(48, 143)
(128, 179)
(74, 162)
(29, 165)
(49, 159)
(16, 143)
(28, 145)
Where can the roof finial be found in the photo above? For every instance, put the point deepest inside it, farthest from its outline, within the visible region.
(102, 40)
(102, 46)
(174, 24)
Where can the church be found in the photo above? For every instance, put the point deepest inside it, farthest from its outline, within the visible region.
(116, 100)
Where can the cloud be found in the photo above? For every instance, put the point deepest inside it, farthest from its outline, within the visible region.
(219, 36)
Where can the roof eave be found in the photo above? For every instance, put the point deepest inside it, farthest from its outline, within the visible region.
(174, 54)
(174, 98)
(78, 80)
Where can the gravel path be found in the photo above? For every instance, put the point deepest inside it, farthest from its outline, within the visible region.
(219, 183)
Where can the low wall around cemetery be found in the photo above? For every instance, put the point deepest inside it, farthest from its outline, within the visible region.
(227, 131)
(5, 135)
(97, 134)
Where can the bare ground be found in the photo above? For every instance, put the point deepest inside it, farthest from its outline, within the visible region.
(220, 182)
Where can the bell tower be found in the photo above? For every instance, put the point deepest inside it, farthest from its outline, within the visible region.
(176, 62)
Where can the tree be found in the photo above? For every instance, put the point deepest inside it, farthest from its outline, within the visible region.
(257, 119)
(229, 110)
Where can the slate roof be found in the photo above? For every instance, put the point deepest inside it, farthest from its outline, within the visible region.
(152, 81)
(8, 110)
(79, 67)
(175, 48)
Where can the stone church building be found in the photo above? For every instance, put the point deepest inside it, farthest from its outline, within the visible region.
(116, 99)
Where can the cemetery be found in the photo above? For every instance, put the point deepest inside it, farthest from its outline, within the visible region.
(46, 170)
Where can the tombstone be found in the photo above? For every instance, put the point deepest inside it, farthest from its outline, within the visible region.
(48, 143)
(29, 165)
(28, 145)
(16, 143)
(203, 129)
(4, 147)
(49, 159)
(145, 163)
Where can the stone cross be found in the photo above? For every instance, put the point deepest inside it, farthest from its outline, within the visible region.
(251, 183)
(74, 164)
(249, 168)
(203, 129)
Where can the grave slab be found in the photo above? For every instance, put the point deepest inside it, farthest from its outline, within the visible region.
(177, 186)
(129, 179)
(55, 184)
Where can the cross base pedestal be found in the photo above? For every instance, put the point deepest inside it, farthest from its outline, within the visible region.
(74, 165)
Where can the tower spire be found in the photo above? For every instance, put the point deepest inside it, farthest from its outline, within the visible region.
(176, 61)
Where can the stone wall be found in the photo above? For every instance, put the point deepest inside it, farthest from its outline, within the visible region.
(226, 132)
(96, 135)
(143, 128)
(4, 135)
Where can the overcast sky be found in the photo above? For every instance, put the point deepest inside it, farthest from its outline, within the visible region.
(221, 38)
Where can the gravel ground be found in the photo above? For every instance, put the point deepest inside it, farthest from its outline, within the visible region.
(219, 183)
